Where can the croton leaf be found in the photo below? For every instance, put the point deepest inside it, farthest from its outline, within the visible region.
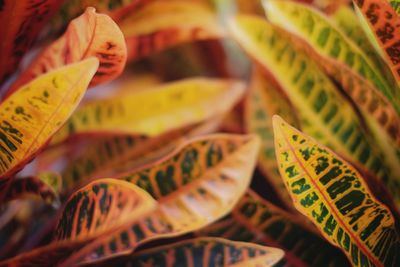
(334, 196)
(31, 115)
(21, 22)
(263, 101)
(348, 22)
(258, 221)
(328, 40)
(196, 184)
(383, 22)
(91, 211)
(28, 187)
(89, 35)
(322, 109)
(153, 112)
(158, 25)
(208, 251)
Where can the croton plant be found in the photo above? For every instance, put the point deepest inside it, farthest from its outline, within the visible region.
(200, 133)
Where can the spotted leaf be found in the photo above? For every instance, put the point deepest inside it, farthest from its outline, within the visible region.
(30, 116)
(382, 21)
(329, 41)
(322, 109)
(194, 185)
(158, 26)
(89, 35)
(206, 250)
(334, 196)
(21, 22)
(258, 221)
(153, 112)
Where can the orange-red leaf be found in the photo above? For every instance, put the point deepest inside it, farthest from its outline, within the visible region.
(89, 35)
(20, 23)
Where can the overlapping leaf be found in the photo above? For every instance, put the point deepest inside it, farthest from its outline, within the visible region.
(30, 116)
(263, 101)
(381, 20)
(21, 22)
(153, 112)
(89, 35)
(333, 195)
(328, 40)
(158, 25)
(322, 110)
(259, 221)
(28, 187)
(207, 251)
(196, 184)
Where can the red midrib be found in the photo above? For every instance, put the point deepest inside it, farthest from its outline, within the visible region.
(348, 231)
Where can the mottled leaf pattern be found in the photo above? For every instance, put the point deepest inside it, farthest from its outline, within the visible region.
(195, 185)
(328, 40)
(259, 221)
(28, 187)
(158, 25)
(208, 252)
(322, 110)
(21, 22)
(263, 101)
(30, 116)
(333, 195)
(384, 22)
(89, 35)
(153, 112)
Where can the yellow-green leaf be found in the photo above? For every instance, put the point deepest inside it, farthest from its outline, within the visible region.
(334, 196)
(206, 250)
(322, 109)
(258, 221)
(328, 40)
(31, 115)
(153, 112)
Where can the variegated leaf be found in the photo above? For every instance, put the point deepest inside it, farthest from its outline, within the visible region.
(31, 115)
(89, 35)
(321, 108)
(263, 101)
(196, 184)
(382, 22)
(334, 196)
(329, 41)
(153, 112)
(259, 221)
(205, 251)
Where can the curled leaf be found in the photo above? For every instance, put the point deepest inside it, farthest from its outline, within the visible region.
(31, 115)
(89, 35)
(334, 196)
